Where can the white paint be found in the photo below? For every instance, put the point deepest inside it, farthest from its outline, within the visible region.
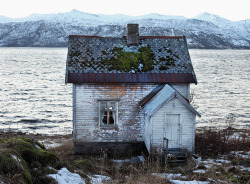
(169, 106)
(187, 120)
(86, 113)
(135, 124)
(147, 133)
(183, 89)
(172, 130)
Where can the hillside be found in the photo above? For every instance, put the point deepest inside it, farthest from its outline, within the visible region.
(205, 31)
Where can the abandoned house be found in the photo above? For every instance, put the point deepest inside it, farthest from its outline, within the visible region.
(131, 93)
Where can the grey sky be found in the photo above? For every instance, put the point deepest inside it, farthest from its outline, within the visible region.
(232, 10)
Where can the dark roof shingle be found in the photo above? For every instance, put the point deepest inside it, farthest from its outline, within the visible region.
(157, 59)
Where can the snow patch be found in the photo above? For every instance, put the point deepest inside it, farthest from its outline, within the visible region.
(189, 182)
(223, 161)
(99, 179)
(245, 168)
(17, 159)
(38, 146)
(63, 176)
(49, 144)
(199, 171)
(240, 154)
(168, 175)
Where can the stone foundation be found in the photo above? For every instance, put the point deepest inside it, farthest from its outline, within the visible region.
(111, 148)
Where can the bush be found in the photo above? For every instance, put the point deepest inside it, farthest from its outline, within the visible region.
(212, 142)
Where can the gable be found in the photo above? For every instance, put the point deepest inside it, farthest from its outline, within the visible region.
(161, 59)
(165, 95)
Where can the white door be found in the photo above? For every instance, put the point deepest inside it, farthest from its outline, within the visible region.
(172, 130)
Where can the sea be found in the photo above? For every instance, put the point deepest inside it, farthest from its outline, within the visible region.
(35, 99)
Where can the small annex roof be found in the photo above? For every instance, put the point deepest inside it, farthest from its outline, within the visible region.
(160, 95)
(155, 59)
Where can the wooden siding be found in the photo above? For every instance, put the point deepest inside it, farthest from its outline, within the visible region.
(183, 89)
(187, 125)
(86, 112)
(147, 133)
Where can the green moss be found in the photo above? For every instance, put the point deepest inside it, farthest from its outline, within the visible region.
(12, 163)
(28, 159)
(147, 58)
(40, 145)
(27, 176)
(31, 153)
(49, 170)
(7, 162)
(128, 61)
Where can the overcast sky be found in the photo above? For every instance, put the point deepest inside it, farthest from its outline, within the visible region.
(229, 9)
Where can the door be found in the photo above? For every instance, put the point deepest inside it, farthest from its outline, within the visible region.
(172, 130)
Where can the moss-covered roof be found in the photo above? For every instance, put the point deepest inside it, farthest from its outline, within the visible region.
(104, 55)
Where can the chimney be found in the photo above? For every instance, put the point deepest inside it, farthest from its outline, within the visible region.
(133, 34)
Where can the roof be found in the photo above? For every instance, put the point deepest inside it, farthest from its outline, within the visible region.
(161, 95)
(147, 98)
(157, 59)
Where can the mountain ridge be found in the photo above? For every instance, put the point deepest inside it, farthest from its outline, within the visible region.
(204, 31)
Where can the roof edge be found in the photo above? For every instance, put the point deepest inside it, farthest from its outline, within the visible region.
(86, 36)
(130, 78)
(163, 37)
(188, 105)
(170, 97)
(140, 37)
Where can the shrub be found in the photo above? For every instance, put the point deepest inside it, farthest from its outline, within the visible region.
(215, 142)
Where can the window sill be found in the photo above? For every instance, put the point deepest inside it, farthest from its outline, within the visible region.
(109, 127)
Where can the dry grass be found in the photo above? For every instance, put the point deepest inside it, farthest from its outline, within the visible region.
(215, 142)
(65, 150)
(209, 143)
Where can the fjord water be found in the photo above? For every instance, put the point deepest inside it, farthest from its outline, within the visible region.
(35, 99)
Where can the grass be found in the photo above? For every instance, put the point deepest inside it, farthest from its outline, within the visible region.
(214, 142)
(210, 144)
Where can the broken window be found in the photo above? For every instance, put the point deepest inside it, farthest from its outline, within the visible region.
(108, 112)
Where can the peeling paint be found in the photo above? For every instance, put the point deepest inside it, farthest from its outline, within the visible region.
(87, 114)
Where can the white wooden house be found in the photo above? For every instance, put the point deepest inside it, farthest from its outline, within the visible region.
(130, 93)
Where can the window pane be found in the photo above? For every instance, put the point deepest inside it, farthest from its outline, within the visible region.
(105, 116)
(111, 118)
(108, 112)
(112, 104)
(104, 105)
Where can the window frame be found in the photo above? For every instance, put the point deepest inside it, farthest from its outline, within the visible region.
(101, 113)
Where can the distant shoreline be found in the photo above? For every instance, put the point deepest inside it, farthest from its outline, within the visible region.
(191, 48)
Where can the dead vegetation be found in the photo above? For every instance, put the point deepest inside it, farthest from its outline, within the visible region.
(215, 142)
(210, 144)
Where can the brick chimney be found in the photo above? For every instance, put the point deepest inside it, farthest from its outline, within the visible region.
(133, 34)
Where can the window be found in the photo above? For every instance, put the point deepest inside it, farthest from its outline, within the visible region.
(108, 113)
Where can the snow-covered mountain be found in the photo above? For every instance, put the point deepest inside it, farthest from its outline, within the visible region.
(203, 31)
